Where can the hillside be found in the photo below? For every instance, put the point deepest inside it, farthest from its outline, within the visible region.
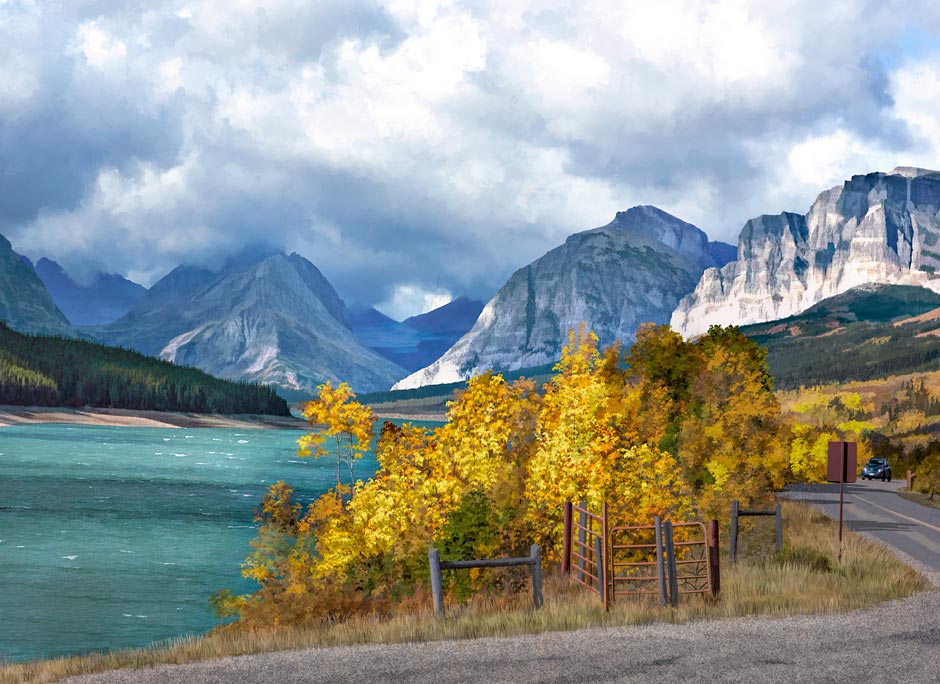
(869, 332)
(52, 371)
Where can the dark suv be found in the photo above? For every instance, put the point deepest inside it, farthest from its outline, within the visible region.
(877, 468)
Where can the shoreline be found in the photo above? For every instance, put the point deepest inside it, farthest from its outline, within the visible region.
(429, 417)
(87, 415)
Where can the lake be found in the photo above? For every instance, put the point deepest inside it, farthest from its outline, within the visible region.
(114, 537)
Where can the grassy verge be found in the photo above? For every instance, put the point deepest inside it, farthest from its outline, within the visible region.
(920, 498)
(804, 579)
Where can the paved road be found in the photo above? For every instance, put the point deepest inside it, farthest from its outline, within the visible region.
(874, 508)
(894, 642)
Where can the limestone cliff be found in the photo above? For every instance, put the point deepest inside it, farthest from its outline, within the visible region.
(876, 228)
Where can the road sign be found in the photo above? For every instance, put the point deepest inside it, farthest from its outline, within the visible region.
(841, 467)
(843, 462)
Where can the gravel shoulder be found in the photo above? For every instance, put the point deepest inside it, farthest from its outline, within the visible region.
(831, 648)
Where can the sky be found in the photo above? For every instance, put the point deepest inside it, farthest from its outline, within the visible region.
(418, 150)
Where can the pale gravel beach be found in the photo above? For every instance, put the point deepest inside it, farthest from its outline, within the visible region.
(31, 415)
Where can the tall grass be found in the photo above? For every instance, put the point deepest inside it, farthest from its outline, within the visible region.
(805, 578)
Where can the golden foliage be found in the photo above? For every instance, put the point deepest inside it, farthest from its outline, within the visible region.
(672, 428)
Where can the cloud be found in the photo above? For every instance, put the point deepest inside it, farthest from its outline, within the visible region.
(410, 300)
(432, 146)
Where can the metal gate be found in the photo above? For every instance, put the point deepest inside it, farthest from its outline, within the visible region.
(664, 559)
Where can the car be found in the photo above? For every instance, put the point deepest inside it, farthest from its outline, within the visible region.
(877, 468)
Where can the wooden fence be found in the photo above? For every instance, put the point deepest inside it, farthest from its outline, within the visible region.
(534, 559)
(737, 512)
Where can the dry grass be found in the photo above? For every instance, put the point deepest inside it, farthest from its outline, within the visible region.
(804, 579)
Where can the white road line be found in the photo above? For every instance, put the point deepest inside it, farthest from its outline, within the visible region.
(900, 515)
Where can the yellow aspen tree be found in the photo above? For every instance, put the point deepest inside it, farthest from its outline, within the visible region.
(344, 420)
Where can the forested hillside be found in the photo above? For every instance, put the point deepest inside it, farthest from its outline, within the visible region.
(872, 331)
(51, 371)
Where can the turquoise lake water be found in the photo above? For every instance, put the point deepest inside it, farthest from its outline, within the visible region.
(115, 537)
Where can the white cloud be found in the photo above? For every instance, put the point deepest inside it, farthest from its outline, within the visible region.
(916, 90)
(418, 148)
(411, 300)
(100, 49)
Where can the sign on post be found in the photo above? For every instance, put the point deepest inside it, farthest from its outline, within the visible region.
(843, 462)
(841, 467)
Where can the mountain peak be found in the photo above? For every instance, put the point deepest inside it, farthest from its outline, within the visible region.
(912, 172)
(631, 271)
(25, 303)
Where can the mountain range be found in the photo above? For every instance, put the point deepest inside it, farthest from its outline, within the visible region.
(274, 320)
(633, 270)
(106, 298)
(419, 340)
(874, 228)
(25, 304)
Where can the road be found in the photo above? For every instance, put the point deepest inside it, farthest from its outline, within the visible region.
(894, 642)
(874, 508)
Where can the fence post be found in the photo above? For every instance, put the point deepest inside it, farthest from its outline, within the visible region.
(714, 571)
(733, 538)
(535, 552)
(660, 563)
(607, 556)
(910, 481)
(671, 561)
(779, 521)
(434, 559)
(599, 559)
(566, 542)
(582, 539)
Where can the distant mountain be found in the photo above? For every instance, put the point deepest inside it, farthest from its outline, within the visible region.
(876, 228)
(419, 340)
(25, 304)
(457, 316)
(631, 271)
(107, 298)
(868, 332)
(274, 320)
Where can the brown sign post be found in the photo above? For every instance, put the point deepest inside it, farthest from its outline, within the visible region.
(841, 467)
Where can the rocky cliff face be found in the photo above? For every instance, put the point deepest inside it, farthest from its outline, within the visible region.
(275, 320)
(631, 271)
(876, 228)
(25, 304)
(107, 298)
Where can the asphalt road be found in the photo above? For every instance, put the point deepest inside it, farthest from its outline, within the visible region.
(874, 509)
(894, 642)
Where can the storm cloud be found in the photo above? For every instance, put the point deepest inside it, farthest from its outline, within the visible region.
(417, 149)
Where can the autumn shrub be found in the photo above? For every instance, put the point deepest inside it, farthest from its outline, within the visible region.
(670, 428)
